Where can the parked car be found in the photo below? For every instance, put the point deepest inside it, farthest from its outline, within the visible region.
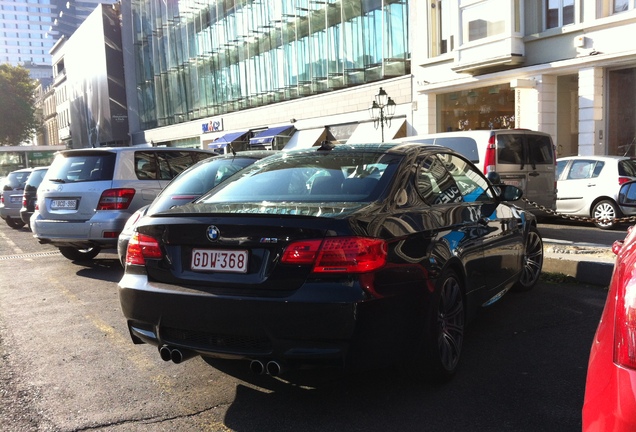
(346, 256)
(11, 198)
(189, 185)
(588, 187)
(610, 394)
(29, 196)
(522, 157)
(94, 191)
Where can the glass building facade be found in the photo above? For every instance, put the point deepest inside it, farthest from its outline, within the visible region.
(30, 28)
(202, 58)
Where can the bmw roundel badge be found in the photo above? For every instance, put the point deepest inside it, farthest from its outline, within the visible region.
(213, 233)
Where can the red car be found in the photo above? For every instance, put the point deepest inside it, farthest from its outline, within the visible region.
(610, 390)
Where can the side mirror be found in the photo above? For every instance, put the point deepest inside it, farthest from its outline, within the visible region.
(509, 192)
(627, 194)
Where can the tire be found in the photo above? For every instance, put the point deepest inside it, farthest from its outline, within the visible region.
(605, 210)
(76, 254)
(444, 332)
(532, 261)
(14, 223)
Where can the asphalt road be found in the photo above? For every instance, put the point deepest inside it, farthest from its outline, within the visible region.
(563, 230)
(68, 365)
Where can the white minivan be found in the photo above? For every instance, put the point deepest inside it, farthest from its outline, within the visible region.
(522, 157)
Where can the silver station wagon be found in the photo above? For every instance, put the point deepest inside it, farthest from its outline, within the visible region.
(88, 195)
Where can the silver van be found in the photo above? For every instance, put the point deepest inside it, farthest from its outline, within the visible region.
(87, 195)
(523, 158)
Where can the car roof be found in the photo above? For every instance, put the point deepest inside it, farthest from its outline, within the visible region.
(594, 157)
(21, 170)
(391, 147)
(133, 148)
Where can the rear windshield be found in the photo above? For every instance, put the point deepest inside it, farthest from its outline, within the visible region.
(35, 179)
(310, 177)
(540, 149)
(16, 180)
(82, 167)
(627, 168)
(199, 179)
(537, 151)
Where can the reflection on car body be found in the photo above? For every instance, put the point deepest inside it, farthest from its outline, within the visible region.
(372, 269)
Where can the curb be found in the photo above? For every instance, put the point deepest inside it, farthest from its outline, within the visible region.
(589, 265)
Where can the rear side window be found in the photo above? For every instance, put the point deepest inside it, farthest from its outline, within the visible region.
(627, 168)
(82, 167)
(162, 165)
(467, 147)
(445, 178)
(540, 149)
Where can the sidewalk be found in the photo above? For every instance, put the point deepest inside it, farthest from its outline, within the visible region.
(586, 262)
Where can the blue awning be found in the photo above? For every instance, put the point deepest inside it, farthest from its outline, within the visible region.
(268, 135)
(229, 138)
(217, 145)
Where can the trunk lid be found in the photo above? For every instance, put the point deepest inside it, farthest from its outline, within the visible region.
(247, 247)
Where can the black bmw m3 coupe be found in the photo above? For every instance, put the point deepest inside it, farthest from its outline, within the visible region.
(346, 255)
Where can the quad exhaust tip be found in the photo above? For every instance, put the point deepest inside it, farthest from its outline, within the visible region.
(175, 355)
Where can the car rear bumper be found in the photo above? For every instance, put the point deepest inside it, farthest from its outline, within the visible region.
(99, 230)
(25, 215)
(10, 212)
(295, 330)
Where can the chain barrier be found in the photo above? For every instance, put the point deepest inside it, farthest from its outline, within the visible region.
(579, 218)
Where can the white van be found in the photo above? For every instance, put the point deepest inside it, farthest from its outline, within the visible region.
(523, 158)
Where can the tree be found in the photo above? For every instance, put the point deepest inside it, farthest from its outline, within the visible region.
(17, 109)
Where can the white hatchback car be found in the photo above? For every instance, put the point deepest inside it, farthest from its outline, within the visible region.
(88, 195)
(588, 186)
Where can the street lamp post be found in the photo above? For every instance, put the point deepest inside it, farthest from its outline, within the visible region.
(381, 110)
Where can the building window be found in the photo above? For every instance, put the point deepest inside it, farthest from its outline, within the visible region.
(622, 5)
(558, 13)
(442, 40)
(214, 59)
(483, 19)
(490, 107)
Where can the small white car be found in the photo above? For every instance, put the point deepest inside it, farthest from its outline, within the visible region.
(88, 195)
(588, 186)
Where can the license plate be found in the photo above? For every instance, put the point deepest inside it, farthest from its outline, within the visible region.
(512, 182)
(61, 204)
(219, 260)
(15, 200)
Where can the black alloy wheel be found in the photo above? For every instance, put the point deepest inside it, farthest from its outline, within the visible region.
(444, 335)
(532, 261)
(14, 223)
(77, 254)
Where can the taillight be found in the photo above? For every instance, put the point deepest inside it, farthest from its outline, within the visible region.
(338, 254)
(141, 247)
(491, 155)
(115, 199)
(622, 180)
(24, 201)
